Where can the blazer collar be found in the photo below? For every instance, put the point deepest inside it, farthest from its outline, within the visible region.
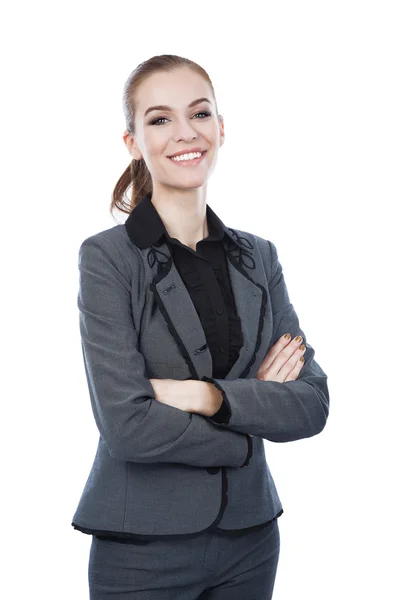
(145, 226)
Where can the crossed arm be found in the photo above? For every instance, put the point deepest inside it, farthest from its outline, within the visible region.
(190, 395)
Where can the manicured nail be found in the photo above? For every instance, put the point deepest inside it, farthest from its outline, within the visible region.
(287, 336)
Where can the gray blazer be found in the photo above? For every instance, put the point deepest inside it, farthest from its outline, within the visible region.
(159, 470)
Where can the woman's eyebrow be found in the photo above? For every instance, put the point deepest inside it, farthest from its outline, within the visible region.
(164, 107)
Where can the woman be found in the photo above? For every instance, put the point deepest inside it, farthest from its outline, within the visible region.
(187, 334)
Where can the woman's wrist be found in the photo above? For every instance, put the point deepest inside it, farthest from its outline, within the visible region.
(212, 399)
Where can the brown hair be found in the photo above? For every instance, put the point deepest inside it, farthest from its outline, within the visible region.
(137, 174)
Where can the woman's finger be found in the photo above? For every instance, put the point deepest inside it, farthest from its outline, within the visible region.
(285, 366)
(273, 353)
(294, 373)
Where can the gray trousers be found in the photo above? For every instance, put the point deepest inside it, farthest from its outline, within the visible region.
(208, 567)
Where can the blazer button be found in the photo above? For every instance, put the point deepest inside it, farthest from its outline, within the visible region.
(213, 470)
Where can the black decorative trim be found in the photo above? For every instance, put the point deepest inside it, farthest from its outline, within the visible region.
(135, 538)
(249, 451)
(117, 536)
(238, 532)
(241, 250)
(154, 255)
(224, 500)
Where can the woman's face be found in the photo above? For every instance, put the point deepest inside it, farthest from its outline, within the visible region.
(163, 132)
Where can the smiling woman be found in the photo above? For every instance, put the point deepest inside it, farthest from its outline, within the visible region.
(177, 311)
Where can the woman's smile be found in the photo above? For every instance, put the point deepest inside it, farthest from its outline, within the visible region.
(188, 163)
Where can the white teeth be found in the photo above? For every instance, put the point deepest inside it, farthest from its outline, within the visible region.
(187, 156)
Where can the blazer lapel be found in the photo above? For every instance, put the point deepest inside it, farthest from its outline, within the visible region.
(248, 281)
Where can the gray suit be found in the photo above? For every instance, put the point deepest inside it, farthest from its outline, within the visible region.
(159, 470)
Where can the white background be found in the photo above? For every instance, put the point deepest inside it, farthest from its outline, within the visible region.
(310, 96)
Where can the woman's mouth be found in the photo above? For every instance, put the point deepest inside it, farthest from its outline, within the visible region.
(188, 163)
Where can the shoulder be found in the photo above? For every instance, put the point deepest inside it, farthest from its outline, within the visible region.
(113, 245)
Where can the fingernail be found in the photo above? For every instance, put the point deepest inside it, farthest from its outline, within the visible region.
(298, 338)
(287, 336)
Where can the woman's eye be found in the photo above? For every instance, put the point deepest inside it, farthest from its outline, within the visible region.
(156, 121)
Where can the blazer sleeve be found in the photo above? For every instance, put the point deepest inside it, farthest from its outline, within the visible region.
(134, 425)
(279, 412)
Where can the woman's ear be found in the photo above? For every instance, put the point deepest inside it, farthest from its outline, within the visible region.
(131, 145)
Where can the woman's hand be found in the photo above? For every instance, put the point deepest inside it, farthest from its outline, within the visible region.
(282, 361)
